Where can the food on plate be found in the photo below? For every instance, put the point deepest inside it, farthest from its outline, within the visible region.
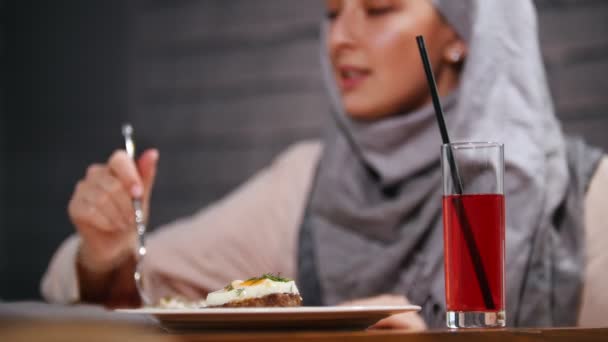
(265, 291)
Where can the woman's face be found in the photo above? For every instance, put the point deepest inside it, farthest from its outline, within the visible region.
(375, 58)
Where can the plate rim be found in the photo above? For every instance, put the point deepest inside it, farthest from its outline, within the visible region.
(204, 311)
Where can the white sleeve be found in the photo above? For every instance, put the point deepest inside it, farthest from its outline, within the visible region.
(594, 302)
(60, 282)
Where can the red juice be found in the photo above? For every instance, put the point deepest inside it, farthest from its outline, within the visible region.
(486, 216)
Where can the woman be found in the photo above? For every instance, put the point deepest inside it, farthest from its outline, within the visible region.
(359, 216)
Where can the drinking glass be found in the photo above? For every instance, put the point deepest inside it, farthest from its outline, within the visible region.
(474, 234)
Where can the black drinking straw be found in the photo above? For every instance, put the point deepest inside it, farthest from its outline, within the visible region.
(467, 231)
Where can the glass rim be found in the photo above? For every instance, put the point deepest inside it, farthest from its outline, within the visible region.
(462, 145)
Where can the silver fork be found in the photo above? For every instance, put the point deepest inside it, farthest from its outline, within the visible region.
(127, 132)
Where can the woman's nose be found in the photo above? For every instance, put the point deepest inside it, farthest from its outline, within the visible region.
(346, 29)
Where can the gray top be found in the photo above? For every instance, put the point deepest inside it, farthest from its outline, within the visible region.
(373, 222)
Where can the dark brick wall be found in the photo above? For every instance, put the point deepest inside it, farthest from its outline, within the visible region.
(220, 86)
(574, 38)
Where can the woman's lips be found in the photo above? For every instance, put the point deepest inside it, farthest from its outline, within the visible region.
(351, 77)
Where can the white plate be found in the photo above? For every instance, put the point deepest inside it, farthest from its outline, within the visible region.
(305, 317)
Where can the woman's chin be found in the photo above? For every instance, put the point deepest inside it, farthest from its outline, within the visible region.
(364, 111)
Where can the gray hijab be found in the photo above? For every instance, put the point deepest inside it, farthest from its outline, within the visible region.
(373, 222)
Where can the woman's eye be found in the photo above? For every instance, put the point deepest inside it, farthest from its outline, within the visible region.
(331, 15)
(379, 11)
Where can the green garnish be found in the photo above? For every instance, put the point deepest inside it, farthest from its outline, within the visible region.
(272, 277)
(268, 276)
(239, 292)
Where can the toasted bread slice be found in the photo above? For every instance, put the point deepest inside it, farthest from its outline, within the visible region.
(271, 300)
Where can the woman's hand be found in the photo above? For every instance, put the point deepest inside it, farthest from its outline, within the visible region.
(408, 320)
(101, 208)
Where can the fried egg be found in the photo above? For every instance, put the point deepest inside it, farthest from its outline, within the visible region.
(240, 290)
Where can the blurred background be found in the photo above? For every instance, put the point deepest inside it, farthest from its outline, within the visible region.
(219, 86)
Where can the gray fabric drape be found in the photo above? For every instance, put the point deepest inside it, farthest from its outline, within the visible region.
(373, 222)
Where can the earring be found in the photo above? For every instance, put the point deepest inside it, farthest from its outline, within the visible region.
(455, 55)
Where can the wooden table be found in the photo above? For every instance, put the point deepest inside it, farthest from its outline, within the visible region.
(42, 322)
(392, 335)
(91, 331)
